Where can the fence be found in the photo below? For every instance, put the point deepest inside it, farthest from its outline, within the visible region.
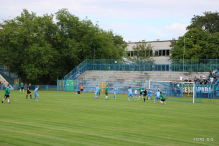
(42, 87)
(170, 89)
(187, 65)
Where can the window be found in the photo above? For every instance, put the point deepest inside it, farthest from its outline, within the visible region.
(168, 53)
(160, 53)
(156, 53)
(135, 53)
(163, 52)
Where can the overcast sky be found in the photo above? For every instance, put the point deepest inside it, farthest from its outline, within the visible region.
(135, 20)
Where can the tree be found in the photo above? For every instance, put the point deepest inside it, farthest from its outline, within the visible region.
(199, 44)
(142, 50)
(208, 22)
(195, 45)
(39, 49)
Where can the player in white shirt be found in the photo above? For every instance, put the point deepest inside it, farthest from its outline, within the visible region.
(136, 93)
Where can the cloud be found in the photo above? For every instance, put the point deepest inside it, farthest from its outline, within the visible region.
(135, 20)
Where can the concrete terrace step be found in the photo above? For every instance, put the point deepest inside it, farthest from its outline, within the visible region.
(137, 75)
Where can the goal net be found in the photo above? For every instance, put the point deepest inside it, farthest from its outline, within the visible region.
(177, 91)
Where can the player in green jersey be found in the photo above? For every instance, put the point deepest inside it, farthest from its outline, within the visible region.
(22, 86)
(107, 91)
(163, 98)
(141, 90)
(7, 94)
(99, 92)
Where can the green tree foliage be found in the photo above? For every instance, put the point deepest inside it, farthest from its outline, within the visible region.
(208, 22)
(142, 50)
(199, 44)
(37, 48)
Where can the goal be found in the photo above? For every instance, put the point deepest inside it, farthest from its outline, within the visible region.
(176, 91)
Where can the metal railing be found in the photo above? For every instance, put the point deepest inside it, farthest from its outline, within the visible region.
(190, 65)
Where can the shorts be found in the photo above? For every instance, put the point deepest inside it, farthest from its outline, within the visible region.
(162, 99)
(22, 88)
(36, 95)
(6, 96)
(140, 93)
(144, 95)
(130, 95)
(157, 97)
(81, 89)
(28, 92)
(115, 93)
(149, 95)
(136, 94)
(106, 93)
(97, 93)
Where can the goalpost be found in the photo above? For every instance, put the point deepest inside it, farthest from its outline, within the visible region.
(183, 91)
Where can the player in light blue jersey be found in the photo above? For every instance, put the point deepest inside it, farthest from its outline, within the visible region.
(149, 94)
(157, 95)
(115, 91)
(130, 94)
(96, 91)
(35, 93)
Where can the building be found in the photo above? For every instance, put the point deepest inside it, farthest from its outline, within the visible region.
(161, 49)
(1, 28)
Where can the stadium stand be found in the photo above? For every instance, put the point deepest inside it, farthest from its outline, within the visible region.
(136, 76)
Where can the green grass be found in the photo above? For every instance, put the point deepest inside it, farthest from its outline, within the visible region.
(66, 118)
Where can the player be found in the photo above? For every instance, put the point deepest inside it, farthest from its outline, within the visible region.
(158, 89)
(149, 94)
(144, 93)
(115, 90)
(130, 94)
(35, 93)
(99, 92)
(96, 91)
(106, 92)
(7, 94)
(141, 89)
(22, 86)
(157, 95)
(28, 91)
(82, 88)
(136, 93)
(162, 96)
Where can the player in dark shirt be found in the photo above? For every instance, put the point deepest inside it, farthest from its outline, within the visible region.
(144, 93)
(28, 91)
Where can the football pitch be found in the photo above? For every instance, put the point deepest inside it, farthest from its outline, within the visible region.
(67, 118)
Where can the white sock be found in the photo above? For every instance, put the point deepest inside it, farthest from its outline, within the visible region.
(23, 90)
(161, 102)
(20, 90)
(8, 100)
(3, 99)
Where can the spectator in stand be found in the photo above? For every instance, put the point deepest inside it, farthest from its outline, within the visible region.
(198, 79)
(210, 73)
(186, 79)
(201, 82)
(181, 78)
(204, 77)
(213, 72)
(211, 79)
(195, 79)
